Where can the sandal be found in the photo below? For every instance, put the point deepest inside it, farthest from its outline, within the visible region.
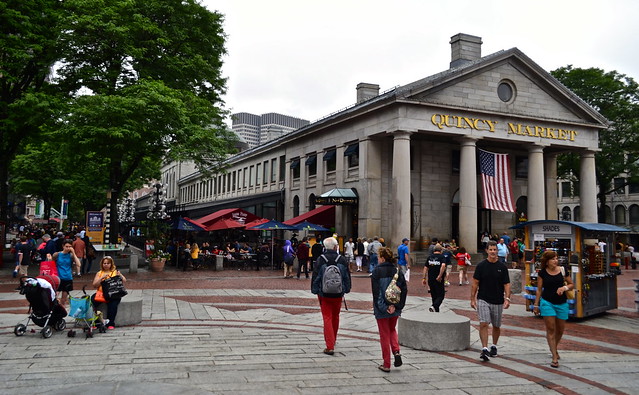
(554, 364)
(383, 368)
(328, 351)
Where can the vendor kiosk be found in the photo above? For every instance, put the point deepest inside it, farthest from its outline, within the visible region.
(579, 247)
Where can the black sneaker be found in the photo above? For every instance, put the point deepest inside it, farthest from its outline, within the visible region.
(493, 351)
(485, 355)
(398, 359)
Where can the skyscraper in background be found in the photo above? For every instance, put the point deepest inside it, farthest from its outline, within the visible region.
(258, 129)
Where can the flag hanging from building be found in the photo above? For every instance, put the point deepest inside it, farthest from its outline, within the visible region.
(495, 176)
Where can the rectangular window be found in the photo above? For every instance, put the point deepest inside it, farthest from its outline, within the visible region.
(352, 153)
(620, 185)
(633, 187)
(456, 161)
(295, 168)
(566, 191)
(282, 167)
(234, 188)
(273, 170)
(258, 174)
(521, 166)
(251, 175)
(330, 159)
(265, 177)
(311, 162)
(244, 178)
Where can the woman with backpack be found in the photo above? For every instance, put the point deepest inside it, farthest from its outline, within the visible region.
(386, 312)
(331, 280)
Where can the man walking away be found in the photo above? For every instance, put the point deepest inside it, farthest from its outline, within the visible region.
(404, 256)
(490, 284)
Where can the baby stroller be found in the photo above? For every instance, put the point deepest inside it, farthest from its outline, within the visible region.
(84, 315)
(44, 309)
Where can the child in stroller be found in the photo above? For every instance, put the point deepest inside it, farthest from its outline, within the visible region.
(85, 316)
(44, 309)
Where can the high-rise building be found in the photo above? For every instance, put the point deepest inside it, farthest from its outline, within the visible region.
(258, 129)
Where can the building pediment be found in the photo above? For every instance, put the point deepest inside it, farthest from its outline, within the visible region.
(475, 87)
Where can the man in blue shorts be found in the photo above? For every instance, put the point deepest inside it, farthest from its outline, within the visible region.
(490, 295)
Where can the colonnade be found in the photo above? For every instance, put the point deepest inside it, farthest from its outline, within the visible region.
(541, 188)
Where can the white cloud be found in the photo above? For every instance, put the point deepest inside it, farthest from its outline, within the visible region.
(304, 58)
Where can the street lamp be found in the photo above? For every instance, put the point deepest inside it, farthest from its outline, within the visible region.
(157, 209)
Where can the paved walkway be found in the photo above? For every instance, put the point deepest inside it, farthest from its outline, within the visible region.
(254, 332)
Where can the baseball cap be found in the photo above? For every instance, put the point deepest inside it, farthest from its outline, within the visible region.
(404, 239)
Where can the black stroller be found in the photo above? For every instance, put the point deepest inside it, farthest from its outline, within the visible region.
(44, 309)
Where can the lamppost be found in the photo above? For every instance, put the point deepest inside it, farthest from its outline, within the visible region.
(157, 210)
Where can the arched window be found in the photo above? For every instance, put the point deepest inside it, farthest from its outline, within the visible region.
(620, 215)
(296, 206)
(634, 214)
(566, 214)
(311, 202)
(576, 214)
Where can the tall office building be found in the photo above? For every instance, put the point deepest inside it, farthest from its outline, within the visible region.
(258, 129)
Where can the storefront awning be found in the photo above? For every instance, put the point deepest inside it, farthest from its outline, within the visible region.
(324, 216)
(352, 149)
(310, 161)
(592, 226)
(235, 214)
(338, 197)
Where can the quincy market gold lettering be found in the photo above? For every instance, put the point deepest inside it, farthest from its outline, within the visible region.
(455, 121)
(538, 131)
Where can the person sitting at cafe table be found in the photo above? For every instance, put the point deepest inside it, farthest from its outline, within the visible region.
(246, 249)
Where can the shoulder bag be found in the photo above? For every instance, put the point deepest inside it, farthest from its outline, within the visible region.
(570, 294)
(113, 287)
(393, 293)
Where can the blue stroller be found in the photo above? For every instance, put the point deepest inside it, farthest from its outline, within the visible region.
(85, 316)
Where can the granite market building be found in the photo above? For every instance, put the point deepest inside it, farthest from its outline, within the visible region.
(403, 163)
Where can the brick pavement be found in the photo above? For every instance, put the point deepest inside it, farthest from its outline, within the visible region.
(254, 332)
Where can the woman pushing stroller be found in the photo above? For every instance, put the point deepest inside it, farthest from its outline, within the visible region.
(107, 270)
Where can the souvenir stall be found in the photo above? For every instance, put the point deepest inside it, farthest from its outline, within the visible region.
(586, 251)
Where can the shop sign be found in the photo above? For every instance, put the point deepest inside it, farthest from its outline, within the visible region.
(552, 229)
(95, 220)
(488, 125)
(336, 201)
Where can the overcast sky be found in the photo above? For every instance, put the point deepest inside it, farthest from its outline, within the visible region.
(304, 58)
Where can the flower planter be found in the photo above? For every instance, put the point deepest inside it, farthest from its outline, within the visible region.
(157, 265)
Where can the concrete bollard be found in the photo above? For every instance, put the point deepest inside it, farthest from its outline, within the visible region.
(446, 331)
(133, 263)
(515, 280)
(219, 263)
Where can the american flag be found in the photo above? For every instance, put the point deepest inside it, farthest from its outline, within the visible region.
(495, 176)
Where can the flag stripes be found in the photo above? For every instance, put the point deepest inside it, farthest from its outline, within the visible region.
(495, 176)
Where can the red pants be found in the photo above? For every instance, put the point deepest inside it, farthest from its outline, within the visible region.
(388, 338)
(330, 308)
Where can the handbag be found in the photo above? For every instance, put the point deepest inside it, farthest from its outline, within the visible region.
(467, 261)
(393, 293)
(48, 268)
(99, 297)
(113, 287)
(570, 294)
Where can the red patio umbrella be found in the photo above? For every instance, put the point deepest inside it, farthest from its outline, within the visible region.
(224, 223)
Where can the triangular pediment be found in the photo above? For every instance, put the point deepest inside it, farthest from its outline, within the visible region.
(537, 93)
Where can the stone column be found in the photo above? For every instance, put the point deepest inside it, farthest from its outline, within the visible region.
(400, 191)
(536, 195)
(370, 203)
(550, 167)
(588, 187)
(468, 196)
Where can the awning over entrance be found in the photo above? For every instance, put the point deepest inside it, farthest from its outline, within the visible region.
(324, 215)
(236, 214)
(338, 197)
(591, 226)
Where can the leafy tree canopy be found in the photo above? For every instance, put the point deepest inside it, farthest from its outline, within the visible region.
(615, 96)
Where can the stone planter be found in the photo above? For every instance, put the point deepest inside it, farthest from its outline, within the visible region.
(157, 265)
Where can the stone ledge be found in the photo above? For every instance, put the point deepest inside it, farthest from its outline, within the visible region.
(129, 311)
(434, 331)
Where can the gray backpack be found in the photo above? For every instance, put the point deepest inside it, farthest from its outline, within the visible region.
(332, 279)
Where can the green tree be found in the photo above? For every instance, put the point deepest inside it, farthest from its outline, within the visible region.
(28, 48)
(144, 78)
(615, 96)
